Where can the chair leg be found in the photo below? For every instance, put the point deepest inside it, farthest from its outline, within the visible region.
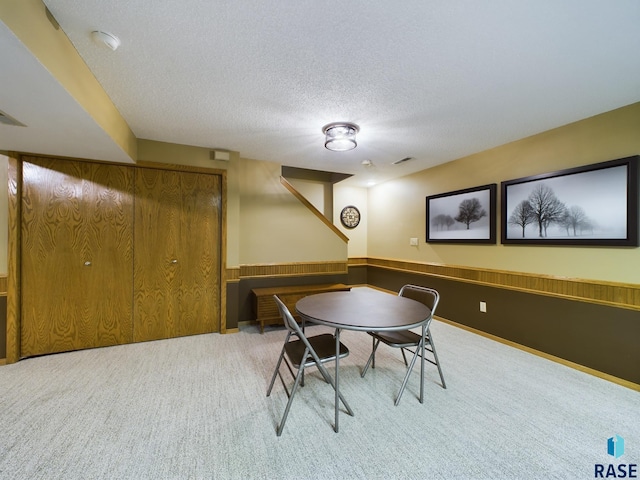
(374, 346)
(406, 377)
(288, 407)
(422, 354)
(275, 372)
(435, 356)
(329, 380)
(372, 358)
(404, 357)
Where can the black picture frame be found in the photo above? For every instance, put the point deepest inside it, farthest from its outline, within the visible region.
(594, 205)
(456, 217)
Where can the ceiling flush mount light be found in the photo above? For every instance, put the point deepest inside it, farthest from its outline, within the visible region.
(105, 38)
(340, 136)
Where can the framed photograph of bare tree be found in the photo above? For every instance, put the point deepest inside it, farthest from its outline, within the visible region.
(463, 216)
(592, 205)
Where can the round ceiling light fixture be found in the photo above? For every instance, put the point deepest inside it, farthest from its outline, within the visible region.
(105, 38)
(340, 136)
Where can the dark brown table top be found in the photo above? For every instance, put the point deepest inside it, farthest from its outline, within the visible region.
(363, 309)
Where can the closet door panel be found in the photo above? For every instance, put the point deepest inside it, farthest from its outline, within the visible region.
(52, 313)
(157, 246)
(109, 248)
(76, 261)
(199, 287)
(177, 262)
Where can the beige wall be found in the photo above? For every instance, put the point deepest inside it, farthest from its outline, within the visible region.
(265, 222)
(152, 151)
(274, 226)
(358, 197)
(4, 212)
(397, 208)
(319, 194)
(330, 199)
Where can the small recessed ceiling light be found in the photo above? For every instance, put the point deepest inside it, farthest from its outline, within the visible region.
(105, 38)
(366, 163)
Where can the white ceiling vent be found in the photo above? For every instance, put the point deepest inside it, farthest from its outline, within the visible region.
(402, 160)
(9, 120)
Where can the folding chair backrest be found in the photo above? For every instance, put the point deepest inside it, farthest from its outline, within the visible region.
(288, 319)
(425, 295)
(291, 323)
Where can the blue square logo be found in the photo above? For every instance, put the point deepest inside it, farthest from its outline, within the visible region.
(615, 446)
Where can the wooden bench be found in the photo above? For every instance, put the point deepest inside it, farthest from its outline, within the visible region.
(265, 307)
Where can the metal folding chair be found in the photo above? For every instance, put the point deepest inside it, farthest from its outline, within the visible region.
(300, 352)
(407, 339)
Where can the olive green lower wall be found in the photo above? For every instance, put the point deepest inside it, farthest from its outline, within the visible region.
(600, 337)
(233, 289)
(357, 275)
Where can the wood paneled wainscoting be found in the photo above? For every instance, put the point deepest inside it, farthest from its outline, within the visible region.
(586, 324)
(250, 277)
(104, 254)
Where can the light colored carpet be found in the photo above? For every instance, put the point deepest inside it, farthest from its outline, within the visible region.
(195, 408)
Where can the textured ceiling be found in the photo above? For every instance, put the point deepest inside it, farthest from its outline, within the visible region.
(433, 80)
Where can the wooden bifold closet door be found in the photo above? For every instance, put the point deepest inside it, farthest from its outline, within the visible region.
(77, 255)
(114, 254)
(177, 254)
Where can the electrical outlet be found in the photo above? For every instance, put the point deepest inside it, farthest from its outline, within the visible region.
(413, 242)
(483, 307)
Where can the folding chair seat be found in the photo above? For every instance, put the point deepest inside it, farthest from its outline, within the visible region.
(300, 352)
(407, 339)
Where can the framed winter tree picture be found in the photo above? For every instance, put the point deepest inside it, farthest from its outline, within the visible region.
(463, 216)
(592, 205)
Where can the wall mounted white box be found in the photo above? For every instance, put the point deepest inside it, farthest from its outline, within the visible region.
(219, 155)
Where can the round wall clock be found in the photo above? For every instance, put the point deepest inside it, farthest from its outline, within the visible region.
(350, 216)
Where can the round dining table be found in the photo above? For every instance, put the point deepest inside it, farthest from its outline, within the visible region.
(363, 309)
